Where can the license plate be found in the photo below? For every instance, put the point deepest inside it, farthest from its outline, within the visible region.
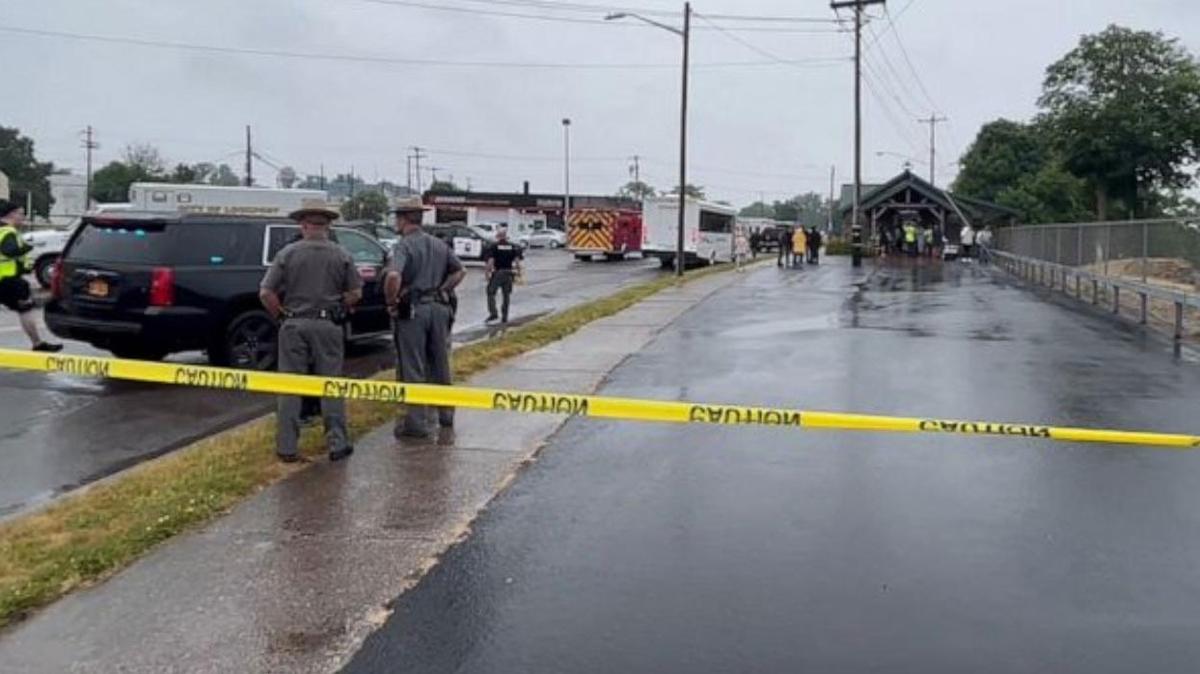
(97, 287)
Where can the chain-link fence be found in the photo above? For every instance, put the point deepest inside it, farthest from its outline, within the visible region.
(1157, 252)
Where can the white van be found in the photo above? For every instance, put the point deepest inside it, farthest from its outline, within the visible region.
(707, 230)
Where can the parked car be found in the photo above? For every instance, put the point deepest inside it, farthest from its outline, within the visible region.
(488, 230)
(546, 238)
(768, 240)
(48, 246)
(146, 285)
(379, 231)
(466, 242)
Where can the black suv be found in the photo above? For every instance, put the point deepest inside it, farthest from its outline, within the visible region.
(146, 285)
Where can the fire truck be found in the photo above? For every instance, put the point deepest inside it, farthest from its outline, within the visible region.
(604, 231)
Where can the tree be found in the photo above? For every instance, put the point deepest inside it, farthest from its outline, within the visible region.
(25, 173)
(224, 175)
(758, 209)
(444, 186)
(369, 205)
(1002, 153)
(636, 190)
(312, 183)
(1124, 110)
(183, 174)
(145, 159)
(1051, 194)
(692, 191)
(111, 183)
(287, 177)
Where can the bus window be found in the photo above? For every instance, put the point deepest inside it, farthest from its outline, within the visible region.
(719, 223)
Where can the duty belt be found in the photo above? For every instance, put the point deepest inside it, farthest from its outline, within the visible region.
(427, 296)
(320, 314)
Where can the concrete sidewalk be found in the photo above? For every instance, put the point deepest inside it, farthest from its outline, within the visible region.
(297, 576)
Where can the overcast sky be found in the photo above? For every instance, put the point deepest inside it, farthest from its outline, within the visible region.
(755, 125)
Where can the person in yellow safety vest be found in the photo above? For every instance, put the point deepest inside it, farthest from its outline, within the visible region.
(799, 244)
(14, 289)
(910, 238)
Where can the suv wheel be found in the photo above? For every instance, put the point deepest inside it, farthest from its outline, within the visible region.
(250, 342)
(43, 270)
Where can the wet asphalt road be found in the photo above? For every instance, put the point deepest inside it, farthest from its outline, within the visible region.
(58, 433)
(655, 548)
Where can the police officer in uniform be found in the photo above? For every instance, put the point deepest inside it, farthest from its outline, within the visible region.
(419, 289)
(503, 264)
(14, 289)
(309, 289)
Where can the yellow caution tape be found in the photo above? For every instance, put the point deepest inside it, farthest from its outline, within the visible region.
(553, 403)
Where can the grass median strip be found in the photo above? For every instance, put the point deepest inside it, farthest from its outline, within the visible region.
(90, 535)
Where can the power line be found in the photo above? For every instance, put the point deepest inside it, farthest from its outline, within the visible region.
(887, 84)
(901, 129)
(907, 60)
(878, 83)
(393, 60)
(570, 19)
(598, 9)
(891, 24)
(749, 45)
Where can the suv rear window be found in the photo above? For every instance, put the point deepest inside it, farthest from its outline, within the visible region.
(128, 242)
(171, 243)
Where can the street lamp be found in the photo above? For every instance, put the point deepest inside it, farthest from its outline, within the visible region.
(908, 161)
(685, 34)
(566, 172)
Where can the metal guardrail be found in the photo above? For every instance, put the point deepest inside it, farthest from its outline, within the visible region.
(1067, 278)
(1129, 248)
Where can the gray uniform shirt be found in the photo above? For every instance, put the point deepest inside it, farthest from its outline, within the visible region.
(311, 275)
(423, 261)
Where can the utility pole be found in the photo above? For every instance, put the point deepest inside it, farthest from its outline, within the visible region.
(89, 144)
(683, 103)
(832, 203)
(352, 181)
(408, 168)
(249, 158)
(417, 157)
(637, 168)
(322, 176)
(566, 123)
(933, 121)
(856, 224)
(683, 99)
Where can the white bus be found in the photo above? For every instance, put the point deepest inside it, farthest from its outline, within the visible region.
(707, 230)
(219, 200)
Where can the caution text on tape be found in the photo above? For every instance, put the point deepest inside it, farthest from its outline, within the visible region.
(631, 409)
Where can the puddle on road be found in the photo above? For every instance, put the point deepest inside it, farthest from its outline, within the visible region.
(828, 321)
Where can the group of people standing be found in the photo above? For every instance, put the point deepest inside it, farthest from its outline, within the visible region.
(799, 246)
(914, 240)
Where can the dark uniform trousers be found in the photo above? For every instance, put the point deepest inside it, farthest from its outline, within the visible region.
(423, 351)
(502, 280)
(311, 346)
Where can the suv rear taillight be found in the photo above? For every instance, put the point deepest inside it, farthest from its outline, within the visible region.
(56, 281)
(162, 287)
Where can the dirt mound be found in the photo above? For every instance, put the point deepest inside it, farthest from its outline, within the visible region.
(1170, 271)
